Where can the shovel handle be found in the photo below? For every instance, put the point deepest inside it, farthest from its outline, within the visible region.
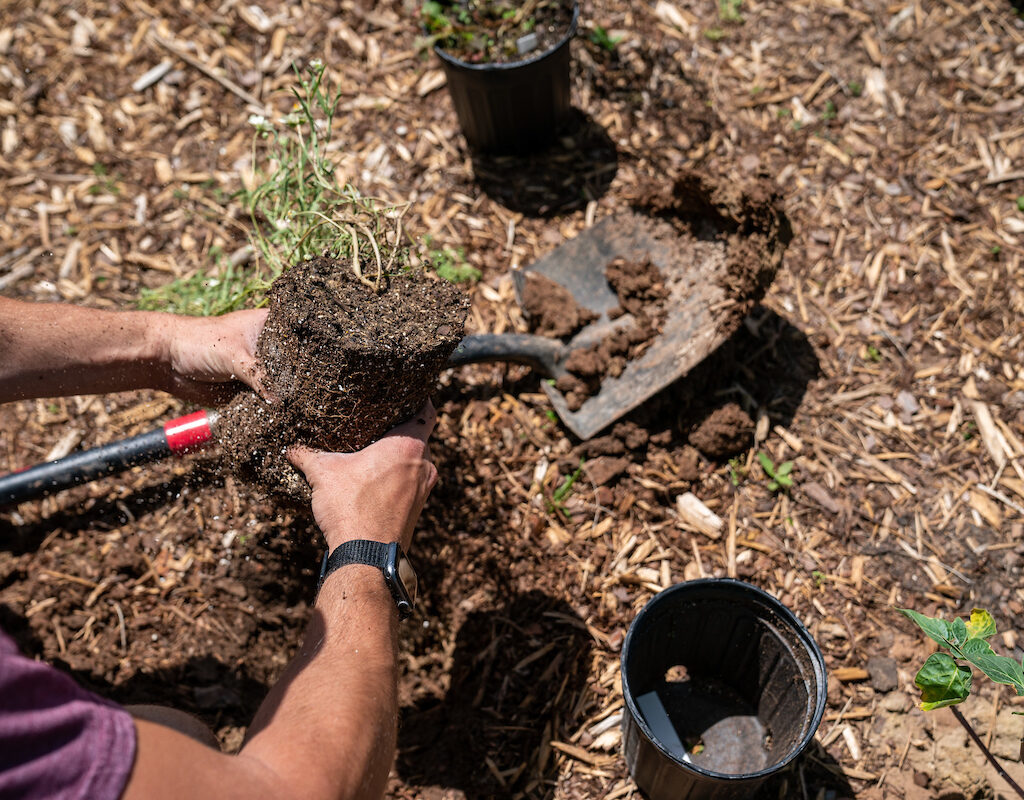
(177, 436)
(539, 352)
(189, 432)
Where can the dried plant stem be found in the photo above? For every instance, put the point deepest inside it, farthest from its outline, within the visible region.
(988, 754)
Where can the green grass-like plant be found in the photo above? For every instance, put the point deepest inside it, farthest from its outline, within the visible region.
(297, 208)
(450, 263)
(600, 37)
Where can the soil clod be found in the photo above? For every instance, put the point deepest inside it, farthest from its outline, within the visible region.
(344, 365)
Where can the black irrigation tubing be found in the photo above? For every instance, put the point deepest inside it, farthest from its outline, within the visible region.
(991, 758)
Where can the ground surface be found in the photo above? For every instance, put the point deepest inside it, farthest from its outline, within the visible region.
(885, 362)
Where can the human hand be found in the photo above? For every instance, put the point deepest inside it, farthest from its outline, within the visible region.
(207, 356)
(376, 493)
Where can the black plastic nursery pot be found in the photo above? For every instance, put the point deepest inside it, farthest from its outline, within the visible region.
(723, 687)
(515, 107)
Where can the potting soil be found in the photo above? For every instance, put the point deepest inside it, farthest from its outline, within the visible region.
(342, 366)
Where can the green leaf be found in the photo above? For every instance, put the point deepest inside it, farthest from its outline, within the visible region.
(784, 469)
(766, 464)
(942, 682)
(980, 625)
(957, 632)
(936, 629)
(1001, 669)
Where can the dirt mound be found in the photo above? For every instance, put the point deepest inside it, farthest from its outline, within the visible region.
(344, 365)
(747, 218)
(723, 433)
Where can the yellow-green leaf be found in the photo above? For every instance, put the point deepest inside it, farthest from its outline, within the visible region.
(980, 625)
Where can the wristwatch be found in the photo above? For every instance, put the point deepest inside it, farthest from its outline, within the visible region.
(399, 575)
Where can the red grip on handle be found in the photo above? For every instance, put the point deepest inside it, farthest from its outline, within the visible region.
(188, 432)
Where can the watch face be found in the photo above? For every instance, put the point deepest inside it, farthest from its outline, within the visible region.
(408, 577)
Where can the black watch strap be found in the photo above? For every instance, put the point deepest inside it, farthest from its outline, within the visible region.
(397, 572)
(357, 551)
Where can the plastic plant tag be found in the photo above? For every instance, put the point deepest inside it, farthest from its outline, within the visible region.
(661, 726)
(524, 44)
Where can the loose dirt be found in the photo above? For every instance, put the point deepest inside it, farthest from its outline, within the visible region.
(551, 308)
(488, 31)
(640, 288)
(343, 365)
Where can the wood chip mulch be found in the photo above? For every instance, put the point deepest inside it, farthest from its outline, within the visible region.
(886, 363)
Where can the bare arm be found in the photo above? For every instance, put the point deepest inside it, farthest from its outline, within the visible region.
(327, 728)
(54, 349)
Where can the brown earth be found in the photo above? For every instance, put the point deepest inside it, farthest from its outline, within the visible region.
(884, 361)
(551, 309)
(641, 291)
(342, 362)
(490, 37)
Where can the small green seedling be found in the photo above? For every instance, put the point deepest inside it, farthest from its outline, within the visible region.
(945, 682)
(856, 88)
(874, 354)
(737, 471)
(779, 476)
(599, 36)
(561, 493)
(729, 11)
(1020, 203)
(714, 34)
(450, 264)
(945, 679)
(830, 111)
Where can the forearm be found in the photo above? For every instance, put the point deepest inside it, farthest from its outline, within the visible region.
(328, 726)
(50, 350)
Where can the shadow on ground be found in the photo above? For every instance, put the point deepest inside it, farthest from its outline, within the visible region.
(577, 168)
(518, 672)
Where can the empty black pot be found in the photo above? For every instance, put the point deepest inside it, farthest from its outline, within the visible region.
(723, 687)
(515, 107)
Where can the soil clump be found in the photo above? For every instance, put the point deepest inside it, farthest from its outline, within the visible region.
(342, 364)
(746, 219)
(640, 288)
(552, 309)
(725, 432)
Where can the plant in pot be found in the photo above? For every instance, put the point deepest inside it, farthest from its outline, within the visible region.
(507, 67)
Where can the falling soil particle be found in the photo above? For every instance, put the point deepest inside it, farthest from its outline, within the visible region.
(551, 308)
(343, 364)
(723, 433)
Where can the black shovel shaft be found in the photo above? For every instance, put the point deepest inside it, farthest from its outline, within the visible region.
(175, 437)
(78, 468)
(185, 433)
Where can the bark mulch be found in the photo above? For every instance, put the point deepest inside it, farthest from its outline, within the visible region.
(885, 362)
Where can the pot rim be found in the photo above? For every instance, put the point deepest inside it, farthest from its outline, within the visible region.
(492, 66)
(787, 616)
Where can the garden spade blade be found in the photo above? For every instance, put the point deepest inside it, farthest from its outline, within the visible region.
(700, 313)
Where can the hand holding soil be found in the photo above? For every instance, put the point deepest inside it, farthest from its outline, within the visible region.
(208, 356)
(377, 493)
(344, 364)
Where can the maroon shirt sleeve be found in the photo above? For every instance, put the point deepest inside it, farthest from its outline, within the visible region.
(56, 739)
